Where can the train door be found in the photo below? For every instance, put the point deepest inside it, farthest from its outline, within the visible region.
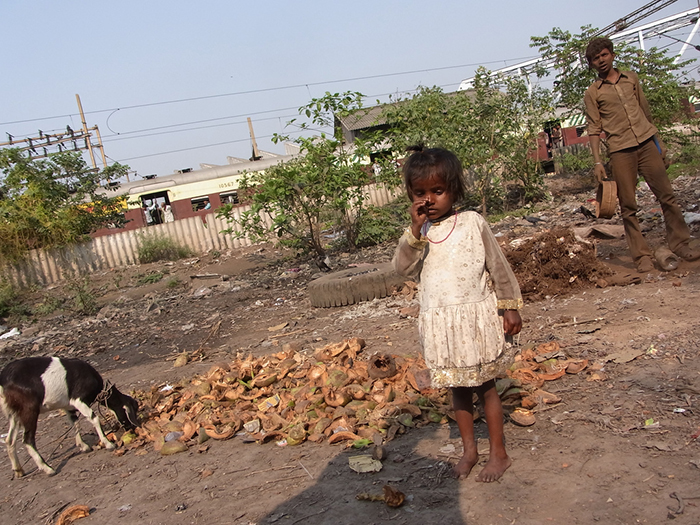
(154, 207)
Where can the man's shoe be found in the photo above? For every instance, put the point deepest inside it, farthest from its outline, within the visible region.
(645, 265)
(687, 253)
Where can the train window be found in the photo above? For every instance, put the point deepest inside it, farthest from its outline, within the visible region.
(200, 203)
(230, 197)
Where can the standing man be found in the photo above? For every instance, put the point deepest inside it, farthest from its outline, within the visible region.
(616, 105)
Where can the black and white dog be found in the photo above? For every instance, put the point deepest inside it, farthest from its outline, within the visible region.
(34, 385)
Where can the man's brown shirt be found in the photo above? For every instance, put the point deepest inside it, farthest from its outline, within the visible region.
(619, 109)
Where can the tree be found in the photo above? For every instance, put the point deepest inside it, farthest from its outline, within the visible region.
(664, 81)
(52, 202)
(492, 129)
(322, 188)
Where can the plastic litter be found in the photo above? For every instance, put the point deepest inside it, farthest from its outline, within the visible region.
(12, 333)
(172, 436)
(364, 463)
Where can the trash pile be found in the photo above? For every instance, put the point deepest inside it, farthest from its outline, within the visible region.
(336, 395)
(553, 262)
(522, 389)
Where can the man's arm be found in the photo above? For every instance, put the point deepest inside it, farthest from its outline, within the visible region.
(598, 168)
(594, 129)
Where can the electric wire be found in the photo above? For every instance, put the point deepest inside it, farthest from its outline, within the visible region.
(263, 90)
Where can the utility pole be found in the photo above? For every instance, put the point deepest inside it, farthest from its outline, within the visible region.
(43, 144)
(256, 153)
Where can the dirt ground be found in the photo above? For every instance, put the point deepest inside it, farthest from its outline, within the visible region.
(620, 448)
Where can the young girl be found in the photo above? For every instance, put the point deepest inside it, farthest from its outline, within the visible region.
(469, 297)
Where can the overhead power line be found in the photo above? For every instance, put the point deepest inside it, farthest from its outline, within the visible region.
(263, 90)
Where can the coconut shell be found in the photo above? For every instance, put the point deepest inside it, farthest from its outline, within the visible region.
(337, 378)
(296, 435)
(73, 513)
(316, 372)
(410, 409)
(381, 366)
(522, 417)
(546, 348)
(337, 398)
(343, 436)
(316, 437)
(321, 425)
(391, 433)
(406, 420)
(189, 429)
(356, 391)
(574, 367)
(226, 433)
(264, 380)
(172, 447)
(392, 497)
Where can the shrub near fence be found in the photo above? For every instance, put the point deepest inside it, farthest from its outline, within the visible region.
(199, 234)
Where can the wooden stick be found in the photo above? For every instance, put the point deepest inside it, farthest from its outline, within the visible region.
(288, 333)
(574, 323)
(268, 470)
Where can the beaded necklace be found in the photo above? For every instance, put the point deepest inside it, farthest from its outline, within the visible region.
(425, 231)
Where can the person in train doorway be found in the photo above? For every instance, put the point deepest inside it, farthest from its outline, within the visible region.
(167, 212)
(153, 210)
(147, 214)
(615, 104)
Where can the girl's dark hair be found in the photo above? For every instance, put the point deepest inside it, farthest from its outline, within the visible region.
(425, 163)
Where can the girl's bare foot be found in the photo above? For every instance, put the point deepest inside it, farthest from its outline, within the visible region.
(494, 469)
(465, 465)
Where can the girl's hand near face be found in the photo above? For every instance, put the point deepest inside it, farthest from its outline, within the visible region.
(512, 323)
(418, 216)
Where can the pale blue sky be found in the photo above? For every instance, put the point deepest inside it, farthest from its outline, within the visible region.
(143, 53)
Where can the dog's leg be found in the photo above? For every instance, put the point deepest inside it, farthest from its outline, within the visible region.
(86, 411)
(73, 416)
(29, 420)
(11, 442)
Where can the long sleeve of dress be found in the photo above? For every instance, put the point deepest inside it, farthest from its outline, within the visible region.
(408, 258)
(504, 281)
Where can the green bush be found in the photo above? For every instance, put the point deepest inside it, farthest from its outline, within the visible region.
(49, 305)
(84, 301)
(578, 161)
(8, 296)
(154, 248)
(150, 278)
(383, 223)
(685, 161)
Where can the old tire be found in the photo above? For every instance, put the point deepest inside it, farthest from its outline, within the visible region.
(354, 285)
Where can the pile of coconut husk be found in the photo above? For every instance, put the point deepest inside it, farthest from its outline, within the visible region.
(522, 391)
(335, 394)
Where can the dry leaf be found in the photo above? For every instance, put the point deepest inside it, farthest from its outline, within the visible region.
(277, 327)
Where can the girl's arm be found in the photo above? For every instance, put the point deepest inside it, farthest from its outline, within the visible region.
(409, 254)
(506, 285)
(408, 258)
(512, 323)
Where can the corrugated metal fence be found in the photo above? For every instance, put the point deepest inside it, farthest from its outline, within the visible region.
(200, 234)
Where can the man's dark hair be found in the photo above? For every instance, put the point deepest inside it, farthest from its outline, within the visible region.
(596, 45)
